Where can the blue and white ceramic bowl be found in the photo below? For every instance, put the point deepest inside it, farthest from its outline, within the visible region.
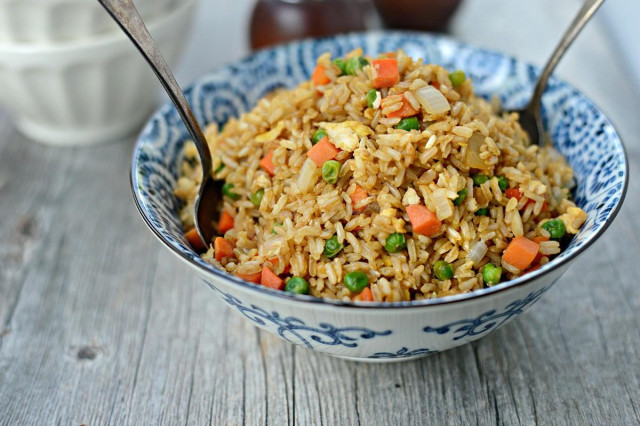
(382, 331)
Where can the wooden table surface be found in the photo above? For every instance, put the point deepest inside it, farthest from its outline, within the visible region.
(99, 324)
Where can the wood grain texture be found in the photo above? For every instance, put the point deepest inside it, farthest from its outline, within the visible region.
(99, 324)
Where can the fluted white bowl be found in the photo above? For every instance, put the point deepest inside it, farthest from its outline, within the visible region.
(89, 91)
(47, 21)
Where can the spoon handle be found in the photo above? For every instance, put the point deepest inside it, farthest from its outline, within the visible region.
(584, 15)
(127, 17)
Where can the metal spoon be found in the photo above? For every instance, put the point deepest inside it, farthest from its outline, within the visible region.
(127, 17)
(530, 117)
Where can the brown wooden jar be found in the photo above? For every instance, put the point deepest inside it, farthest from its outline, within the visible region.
(425, 15)
(278, 21)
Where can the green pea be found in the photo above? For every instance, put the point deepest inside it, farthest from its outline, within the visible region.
(356, 281)
(457, 78)
(483, 211)
(227, 190)
(354, 64)
(503, 183)
(555, 227)
(395, 243)
(256, 197)
(332, 247)
(330, 171)
(219, 169)
(273, 228)
(340, 63)
(462, 194)
(409, 123)
(491, 274)
(371, 97)
(443, 270)
(479, 179)
(318, 135)
(297, 285)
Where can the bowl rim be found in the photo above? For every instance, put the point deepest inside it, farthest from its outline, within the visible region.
(523, 280)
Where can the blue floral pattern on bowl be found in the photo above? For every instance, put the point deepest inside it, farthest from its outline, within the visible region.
(402, 353)
(294, 330)
(488, 320)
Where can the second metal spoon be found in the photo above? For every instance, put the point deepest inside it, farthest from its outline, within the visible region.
(530, 116)
(127, 17)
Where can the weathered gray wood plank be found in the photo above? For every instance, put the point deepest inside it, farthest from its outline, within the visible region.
(99, 324)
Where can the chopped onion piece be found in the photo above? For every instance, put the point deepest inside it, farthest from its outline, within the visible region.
(432, 100)
(472, 159)
(378, 100)
(477, 252)
(272, 246)
(308, 176)
(442, 204)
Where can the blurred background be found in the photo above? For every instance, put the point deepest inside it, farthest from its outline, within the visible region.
(69, 77)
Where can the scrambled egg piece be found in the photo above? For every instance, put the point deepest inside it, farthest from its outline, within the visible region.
(262, 181)
(398, 224)
(573, 219)
(346, 135)
(272, 134)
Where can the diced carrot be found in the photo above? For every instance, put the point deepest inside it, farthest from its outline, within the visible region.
(538, 239)
(366, 295)
(521, 252)
(319, 76)
(533, 268)
(513, 193)
(226, 222)
(385, 72)
(271, 280)
(267, 163)
(323, 151)
(423, 221)
(405, 111)
(222, 248)
(356, 196)
(435, 84)
(194, 239)
(275, 261)
(252, 278)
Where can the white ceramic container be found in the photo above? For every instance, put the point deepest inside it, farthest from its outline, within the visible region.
(90, 91)
(49, 21)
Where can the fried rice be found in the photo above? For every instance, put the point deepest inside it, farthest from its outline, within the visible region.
(466, 171)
